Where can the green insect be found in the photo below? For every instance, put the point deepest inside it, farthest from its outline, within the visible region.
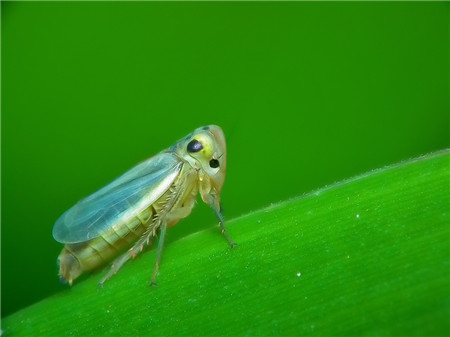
(129, 211)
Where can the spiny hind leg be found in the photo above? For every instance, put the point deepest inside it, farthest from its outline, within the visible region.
(130, 253)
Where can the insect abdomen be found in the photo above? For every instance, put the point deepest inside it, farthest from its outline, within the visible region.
(77, 258)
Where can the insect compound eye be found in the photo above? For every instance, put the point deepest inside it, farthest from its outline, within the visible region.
(194, 146)
(214, 163)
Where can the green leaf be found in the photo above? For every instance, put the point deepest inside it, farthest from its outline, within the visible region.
(368, 256)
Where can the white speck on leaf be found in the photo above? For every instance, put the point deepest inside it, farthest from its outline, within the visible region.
(299, 274)
(357, 216)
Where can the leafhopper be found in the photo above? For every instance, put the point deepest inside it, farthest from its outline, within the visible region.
(141, 204)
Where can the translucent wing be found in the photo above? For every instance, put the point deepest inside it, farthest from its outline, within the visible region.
(119, 201)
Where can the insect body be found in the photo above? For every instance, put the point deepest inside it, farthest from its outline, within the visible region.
(129, 211)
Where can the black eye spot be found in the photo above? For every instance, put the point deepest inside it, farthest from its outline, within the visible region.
(194, 146)
(214, 163)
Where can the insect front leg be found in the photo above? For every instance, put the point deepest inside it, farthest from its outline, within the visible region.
(217, 208)
(219, 216)
(211, 197)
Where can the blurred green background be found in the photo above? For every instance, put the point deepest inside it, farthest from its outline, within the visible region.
(307, 94)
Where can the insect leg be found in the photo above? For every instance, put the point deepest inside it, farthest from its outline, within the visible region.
(162, 234)
(224, 232)
(117, 264)
(214, 203)
(130, 253)
(219, 216)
